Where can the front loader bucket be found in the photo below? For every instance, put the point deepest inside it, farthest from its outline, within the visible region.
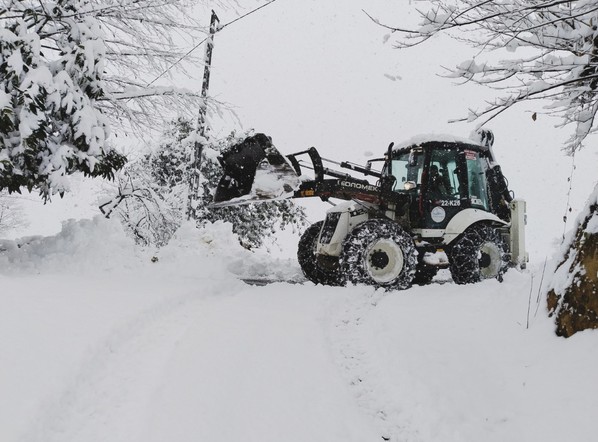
(254, 170)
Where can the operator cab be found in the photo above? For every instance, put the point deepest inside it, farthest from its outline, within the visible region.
(442, 178)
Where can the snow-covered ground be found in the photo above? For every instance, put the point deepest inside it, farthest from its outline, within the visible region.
(99, 343)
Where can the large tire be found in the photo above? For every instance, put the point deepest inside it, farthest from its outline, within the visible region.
(306, 255)
(479, 253)
(379, 252)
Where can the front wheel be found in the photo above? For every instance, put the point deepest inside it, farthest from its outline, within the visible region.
(480, 253)
(306, 255)
(379, 252)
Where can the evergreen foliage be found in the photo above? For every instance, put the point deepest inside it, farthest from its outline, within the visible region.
(69, 71)
(50, 125)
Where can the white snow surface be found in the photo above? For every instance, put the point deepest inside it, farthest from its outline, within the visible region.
(98, 343)
(564, 275)
(592, 226)
(423, 138)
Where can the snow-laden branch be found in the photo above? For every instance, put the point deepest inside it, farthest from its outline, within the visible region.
(72, 70)
(561, 35)
(154, 91)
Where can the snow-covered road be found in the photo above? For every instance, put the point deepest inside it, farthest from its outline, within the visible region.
(114, 348)
(179, 364)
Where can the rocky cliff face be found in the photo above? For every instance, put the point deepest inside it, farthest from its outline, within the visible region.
(573, 294)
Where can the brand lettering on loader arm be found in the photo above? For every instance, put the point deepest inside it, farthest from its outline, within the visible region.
(359, 186)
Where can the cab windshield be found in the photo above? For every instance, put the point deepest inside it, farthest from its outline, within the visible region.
(444, 179)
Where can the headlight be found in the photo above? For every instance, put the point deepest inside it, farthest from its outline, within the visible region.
(409, 185)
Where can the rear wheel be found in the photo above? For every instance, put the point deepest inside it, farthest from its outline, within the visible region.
(379, 252)
(306, 255)
(480, 253)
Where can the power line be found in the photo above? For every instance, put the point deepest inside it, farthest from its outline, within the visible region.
(245, 15)
(177, 62)
(220, 28)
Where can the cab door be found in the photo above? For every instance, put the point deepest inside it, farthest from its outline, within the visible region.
(443, 192)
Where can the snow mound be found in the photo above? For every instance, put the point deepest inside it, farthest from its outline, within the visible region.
(261, 267)
(81, 246)
(216, 248)
(191, 243)
(101, 245)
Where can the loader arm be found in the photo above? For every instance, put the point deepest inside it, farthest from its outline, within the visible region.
(255, 171)
(348, 188)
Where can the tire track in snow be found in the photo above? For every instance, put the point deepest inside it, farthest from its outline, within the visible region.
(106, 398)
(351, 353)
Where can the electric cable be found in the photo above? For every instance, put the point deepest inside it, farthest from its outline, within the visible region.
(245, 15)
(220, 28)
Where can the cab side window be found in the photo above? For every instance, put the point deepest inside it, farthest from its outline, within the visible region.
(403, 171)
(476, 178)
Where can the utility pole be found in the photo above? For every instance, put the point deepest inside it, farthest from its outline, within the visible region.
(194, 176)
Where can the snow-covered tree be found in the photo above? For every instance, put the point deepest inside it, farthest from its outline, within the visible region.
(154, 192)
(71, 69)
(143, 210)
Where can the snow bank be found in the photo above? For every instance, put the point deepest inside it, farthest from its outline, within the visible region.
(190, 247)
(592, 226)
(81, 246)
(563, 276)
(99, 244)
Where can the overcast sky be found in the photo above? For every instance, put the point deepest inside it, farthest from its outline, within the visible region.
(321, 73)
(313, 72)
